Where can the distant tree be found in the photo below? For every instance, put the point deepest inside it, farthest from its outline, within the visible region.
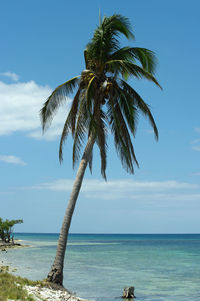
(104, 103)
(6, 228)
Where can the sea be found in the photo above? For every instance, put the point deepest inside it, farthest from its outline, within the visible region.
(99, 266)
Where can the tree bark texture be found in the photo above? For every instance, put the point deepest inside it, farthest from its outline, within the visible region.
(56, 273)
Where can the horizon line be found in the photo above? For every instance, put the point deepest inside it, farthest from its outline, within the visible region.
(99, 233)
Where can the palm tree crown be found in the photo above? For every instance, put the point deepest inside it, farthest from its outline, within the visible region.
(104, 100)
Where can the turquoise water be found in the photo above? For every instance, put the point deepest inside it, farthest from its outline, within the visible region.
(99, 266)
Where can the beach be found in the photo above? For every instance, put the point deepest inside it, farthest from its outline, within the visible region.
(38, 291)
(98, 267)
(18, 288)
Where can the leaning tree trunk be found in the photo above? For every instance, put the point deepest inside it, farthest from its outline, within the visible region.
(56, 273)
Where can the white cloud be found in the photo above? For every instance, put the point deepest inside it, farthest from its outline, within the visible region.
(20, 104)
(12, 160)
(126, 189)
(10, 75)
(128, 185)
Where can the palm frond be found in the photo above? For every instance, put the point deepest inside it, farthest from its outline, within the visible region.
(90, 93)
(65, 132)
(127, 108)
(105, 39)
(130, 154)
(101, 141)
(123, 53)
(86, 58)
(57, 97)
(70, 122)
(146, 57)
(123, 143)
(90, 161)
(80, 129)
(141, 104)
(123, 66)
(118, 24)
(95, 114)
(74, 109)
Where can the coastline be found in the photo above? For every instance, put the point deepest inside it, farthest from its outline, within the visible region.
(98, 267)
(5, 245)
(40, 290)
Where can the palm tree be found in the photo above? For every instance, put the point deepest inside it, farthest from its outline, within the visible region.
(104, 102)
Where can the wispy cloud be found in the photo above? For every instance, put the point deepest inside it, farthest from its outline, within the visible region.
(196, 143)
(20, 106)
(127, 189)
(196, 148)
(98, 185)
(10, 75)
(12, 160)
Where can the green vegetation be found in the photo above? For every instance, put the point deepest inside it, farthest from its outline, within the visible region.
(103, 103)
(11, 287)
(6, 229)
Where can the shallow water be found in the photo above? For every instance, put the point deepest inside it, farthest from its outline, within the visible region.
(99, 266)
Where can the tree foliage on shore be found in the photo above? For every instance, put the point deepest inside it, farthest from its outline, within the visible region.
(7, 227)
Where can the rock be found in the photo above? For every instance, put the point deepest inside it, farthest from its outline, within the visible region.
(44, 293)
(128, 292)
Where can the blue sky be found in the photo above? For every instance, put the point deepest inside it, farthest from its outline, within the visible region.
(42, 45)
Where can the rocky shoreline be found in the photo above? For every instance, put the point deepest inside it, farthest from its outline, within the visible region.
(50, 294)
(7, 245)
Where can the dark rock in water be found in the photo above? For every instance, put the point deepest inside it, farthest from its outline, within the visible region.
(128, 292)
(7, 245)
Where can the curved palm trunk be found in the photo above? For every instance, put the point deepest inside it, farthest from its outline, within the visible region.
(56, 273)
